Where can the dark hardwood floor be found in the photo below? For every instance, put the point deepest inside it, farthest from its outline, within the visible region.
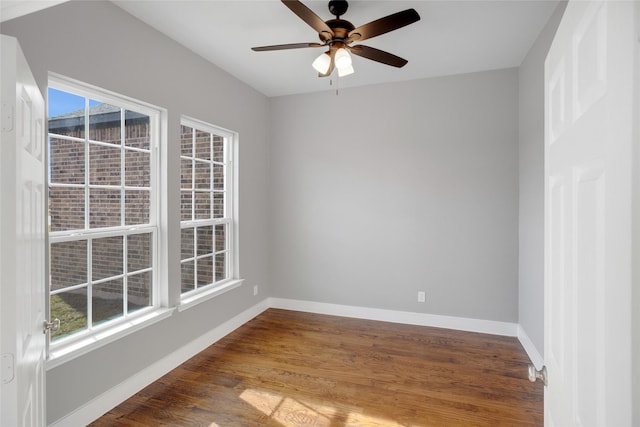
(292, 369)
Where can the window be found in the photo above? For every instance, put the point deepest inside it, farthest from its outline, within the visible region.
(104, 204)
(103, 208)
(206, 203)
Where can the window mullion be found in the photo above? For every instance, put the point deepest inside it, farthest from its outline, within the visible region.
(123, 211)
(155, 296)
(195, 257)
(89, 283)
(87, 213)
(193, 173)
(122, 168)
(87, 163)
(228, 207)
(193, 207)
(125, 276)
(212, 175)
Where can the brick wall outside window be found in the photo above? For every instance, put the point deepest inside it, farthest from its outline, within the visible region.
(116, 166)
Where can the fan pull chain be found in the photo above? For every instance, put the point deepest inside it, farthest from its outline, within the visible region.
(337, 85)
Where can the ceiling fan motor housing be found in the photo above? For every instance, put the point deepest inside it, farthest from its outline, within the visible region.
(341, 30)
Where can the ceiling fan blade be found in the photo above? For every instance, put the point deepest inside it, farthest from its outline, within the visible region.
(378, 55)
(307, 15)
(384, 25)
(286, 46)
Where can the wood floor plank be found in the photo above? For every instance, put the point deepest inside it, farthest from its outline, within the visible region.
(293, 369)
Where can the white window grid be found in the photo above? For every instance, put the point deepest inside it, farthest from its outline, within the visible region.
(227, 219)
(124, 276)
(91, 234)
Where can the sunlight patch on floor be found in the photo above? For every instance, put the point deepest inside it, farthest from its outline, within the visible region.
(296, 413)
(288, 412)
(358, 420)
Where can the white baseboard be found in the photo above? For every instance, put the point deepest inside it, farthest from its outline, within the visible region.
(530, 348)
(406, 317)
(95, 408)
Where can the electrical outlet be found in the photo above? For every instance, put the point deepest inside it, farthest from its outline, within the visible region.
(422, 296)
(255, 290)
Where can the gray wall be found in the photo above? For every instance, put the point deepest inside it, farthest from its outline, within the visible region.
(386, 190)
(531, 178)
(362, 199)
(98, 43)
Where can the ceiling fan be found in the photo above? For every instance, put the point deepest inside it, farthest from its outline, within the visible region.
(338, 34)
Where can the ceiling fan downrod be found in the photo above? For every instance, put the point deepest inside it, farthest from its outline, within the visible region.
(338, 7)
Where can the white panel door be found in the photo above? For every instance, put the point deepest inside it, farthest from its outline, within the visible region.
(22, 242)
(589, 87)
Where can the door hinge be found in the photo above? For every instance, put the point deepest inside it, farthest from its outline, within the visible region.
(535, 374)
(7, 118)
(8, 370)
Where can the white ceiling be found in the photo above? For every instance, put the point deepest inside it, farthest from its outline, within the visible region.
(452, 37)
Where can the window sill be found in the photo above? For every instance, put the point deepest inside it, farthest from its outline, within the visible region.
(61, 354)
(72, 350)
(206, 295)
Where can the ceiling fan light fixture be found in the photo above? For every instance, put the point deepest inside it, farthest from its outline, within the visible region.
(337, 34)
(342, 58)
(322, 63)
(345, 71)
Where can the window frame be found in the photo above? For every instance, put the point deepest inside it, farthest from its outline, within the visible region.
(229, 219)
(81, 342)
